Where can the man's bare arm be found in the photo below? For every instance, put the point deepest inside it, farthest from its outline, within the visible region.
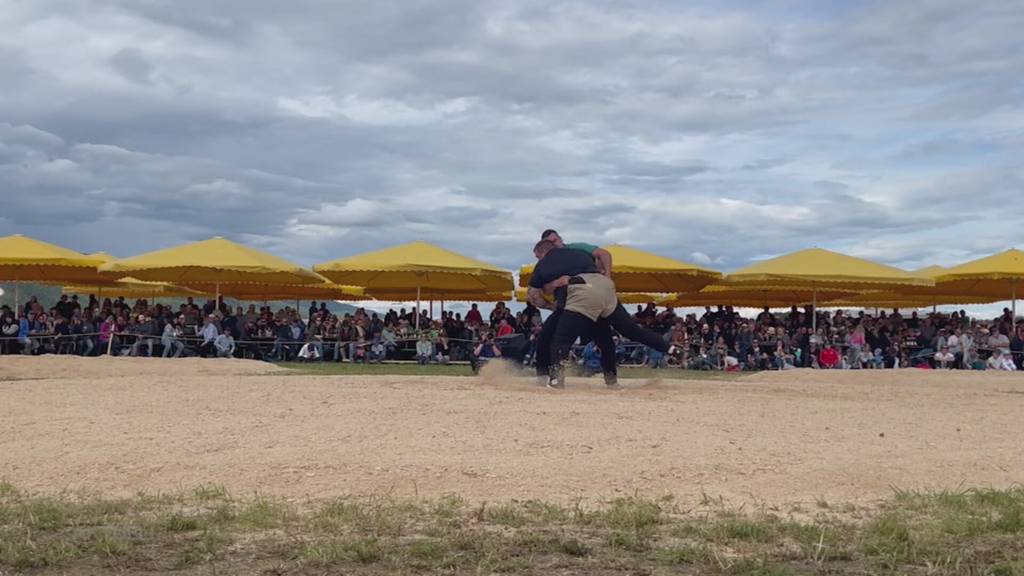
(535, 296)
(603, 258)
(555, 284)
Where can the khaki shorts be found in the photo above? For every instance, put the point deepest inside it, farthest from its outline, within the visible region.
(594, 299)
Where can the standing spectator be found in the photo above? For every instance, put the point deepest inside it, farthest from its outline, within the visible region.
(9, 333)
(473, 317)
(1017, 348)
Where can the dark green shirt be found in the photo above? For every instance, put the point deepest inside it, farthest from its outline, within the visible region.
(583, 247)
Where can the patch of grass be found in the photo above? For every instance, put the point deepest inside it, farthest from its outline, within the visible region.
(376, 517)
(262, 513)
(360, 550)
(210, 492)
(210, 545)
(179, 522)
(506, 515)
(946, 533)
(6, 489)
(106, 544)
(681, 555)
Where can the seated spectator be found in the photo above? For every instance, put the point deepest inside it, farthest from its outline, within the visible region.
(591, 359)
(309, 352)
(1000, 361)
(484, 352)
(376, 352)
(143, 331)
(829, 358)
(944, 359)
(999, 341)
(782, 358)
(504, 328)
(442, 350)
(170, 340)
(209, 335)
(225, 344)
(424, 349)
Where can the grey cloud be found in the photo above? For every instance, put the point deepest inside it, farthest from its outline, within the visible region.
(319, 129)
(132, 64)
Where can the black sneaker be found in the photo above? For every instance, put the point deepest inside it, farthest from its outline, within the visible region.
(611, 380)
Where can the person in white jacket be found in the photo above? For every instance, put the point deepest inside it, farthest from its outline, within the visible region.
(225, 344)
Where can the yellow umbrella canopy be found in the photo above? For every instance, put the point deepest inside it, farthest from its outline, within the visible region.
(417, 265)
(410, 269)
(321, 291)
(752, 296)
(996, 275)
(24, 259)
(894, 300)
(641, 272)
(214, 262)
(441, 295)
(818, 269)
(133, 288)
(624, 297)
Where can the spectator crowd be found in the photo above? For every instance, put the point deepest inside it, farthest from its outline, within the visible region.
(718, 339)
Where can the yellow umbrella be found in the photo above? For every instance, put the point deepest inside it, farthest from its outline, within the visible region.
(817, 269)
(24, 259)
(751, 296)
(996, 274)
(323, 291)
(638, 271)
(211, 264)
(895, 300)
(443, 296)
(914, 296)
(624, 297)
(415, 267)
(133, 288)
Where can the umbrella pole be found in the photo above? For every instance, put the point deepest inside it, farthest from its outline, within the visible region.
(417, 306)
(431, 307)
(216, 298)
(814, 312)
(1013, 304)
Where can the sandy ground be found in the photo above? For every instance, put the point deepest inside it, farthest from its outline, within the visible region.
(122, 425)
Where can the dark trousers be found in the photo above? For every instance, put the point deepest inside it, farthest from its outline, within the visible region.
(571, 325)
(629, 329)
(599, 332)
(207, 350)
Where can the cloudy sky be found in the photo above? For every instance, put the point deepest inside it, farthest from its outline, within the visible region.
(716, 132)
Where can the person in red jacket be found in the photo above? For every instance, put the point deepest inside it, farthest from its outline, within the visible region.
(829, 357)
(473, 317)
